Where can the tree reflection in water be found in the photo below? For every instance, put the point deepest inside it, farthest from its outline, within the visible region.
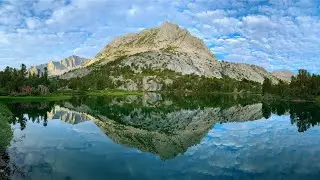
(304, 115)
(139, 122)
(36, 112)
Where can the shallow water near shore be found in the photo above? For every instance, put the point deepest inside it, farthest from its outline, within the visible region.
(163, 137)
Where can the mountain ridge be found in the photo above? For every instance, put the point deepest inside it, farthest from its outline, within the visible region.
(56, 68)
(284, 75)
(159, 38)
(167, 47)
(173, 48)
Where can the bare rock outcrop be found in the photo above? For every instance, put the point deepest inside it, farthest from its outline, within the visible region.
(129, 85)
(168, 37)
(149, 83)
(56, 68)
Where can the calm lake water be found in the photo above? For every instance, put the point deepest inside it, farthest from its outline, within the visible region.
(163, 137)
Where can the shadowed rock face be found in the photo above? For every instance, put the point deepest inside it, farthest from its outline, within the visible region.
(56, 68)
(170, 47)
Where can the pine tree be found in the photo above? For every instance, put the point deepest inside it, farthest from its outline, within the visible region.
(266, 86)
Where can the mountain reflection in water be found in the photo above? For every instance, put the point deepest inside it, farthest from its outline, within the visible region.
(216, 135)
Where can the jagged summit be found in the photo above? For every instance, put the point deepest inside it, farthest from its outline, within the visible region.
(59, 67)
(168, 36)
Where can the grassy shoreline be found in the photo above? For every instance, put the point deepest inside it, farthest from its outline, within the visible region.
(35, 98)
(291, 99)
(113, 93)
(67, 95)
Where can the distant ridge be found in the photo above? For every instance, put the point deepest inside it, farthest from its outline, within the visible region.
(56, 68)
(283, 75)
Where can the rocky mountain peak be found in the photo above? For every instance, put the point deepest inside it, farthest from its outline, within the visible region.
(169, 25)
(173, 48)
(169, 30)
(59, 67)
(167, 37)
(72, 61)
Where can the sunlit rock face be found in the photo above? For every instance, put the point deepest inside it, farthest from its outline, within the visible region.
(56, 68)
(168, 37)
(169, 47)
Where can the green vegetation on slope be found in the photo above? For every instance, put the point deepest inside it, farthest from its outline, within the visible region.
(18, 82)
(114, 75)
(302, 87)
(5, 129)
(108, 79)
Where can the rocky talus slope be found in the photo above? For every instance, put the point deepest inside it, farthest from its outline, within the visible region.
(56, 68)
(169, 47)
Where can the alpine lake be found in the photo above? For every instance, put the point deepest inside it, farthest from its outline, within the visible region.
(157, 136)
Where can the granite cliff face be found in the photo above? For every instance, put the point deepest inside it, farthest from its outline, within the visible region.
(167, 37)
(56, 68)
(170, 47)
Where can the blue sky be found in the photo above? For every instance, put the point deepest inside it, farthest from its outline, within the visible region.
(275, 34)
